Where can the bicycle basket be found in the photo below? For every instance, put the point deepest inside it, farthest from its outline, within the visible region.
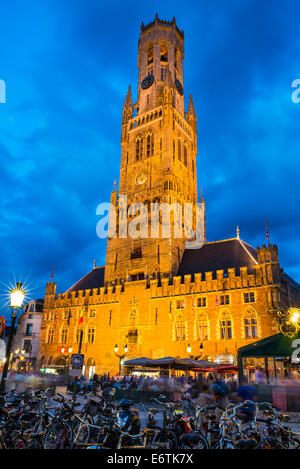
(93, 407)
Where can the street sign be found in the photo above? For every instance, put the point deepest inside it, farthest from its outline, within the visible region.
(2, 325)
(77, 360)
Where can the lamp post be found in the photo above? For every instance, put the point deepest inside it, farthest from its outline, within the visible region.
(67, 356)
(194, 357)
(120, 356)
(17, 295)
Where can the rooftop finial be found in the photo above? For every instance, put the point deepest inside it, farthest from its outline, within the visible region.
(191, 107)
(94, 263)
(237, 232)
(128, 99)
(51, 276)
(115, 183)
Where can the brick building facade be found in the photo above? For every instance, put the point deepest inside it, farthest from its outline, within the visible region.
(154, 295)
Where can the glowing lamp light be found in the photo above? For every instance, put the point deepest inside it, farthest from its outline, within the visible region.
(116, 348)
(189, 348)
(70, 349)
(126, 349)
(62, 349)
(17, 296)
(295, 318)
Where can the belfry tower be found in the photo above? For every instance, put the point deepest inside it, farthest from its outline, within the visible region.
(158, 159)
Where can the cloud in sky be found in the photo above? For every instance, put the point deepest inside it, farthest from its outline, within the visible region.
(67, 66)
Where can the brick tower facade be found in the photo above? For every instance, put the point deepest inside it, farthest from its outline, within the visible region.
(158, 158)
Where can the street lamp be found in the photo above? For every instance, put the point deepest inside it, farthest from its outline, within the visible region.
(120, 356)
(66, 356)
(194, 357)
(17, 295)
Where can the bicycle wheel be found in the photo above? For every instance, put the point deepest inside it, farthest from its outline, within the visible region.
(165, 439)
(193, 441)
(59, 436)
(82, 434)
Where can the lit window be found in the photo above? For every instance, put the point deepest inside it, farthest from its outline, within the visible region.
(180, 304)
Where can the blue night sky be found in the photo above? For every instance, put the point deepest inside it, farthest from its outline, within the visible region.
(67, 66)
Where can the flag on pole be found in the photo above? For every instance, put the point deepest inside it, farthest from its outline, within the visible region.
(51, 276)
(80, 317)
(69, 316)
(267, 231)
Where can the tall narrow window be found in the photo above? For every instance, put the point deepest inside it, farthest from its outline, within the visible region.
(91, 335)
(50, 336)
(250, 325)
(110, 314)
(149, 145)
(180, 330)
(202, 326)
(179, 149)
(163, 53)
(139, 148)
(150, 54)
(64, 336)
(225, 326)
(185, 152)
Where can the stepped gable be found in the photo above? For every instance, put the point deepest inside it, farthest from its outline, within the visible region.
(218, 255)
(93, 279)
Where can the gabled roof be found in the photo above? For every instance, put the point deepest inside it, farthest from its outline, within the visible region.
(218, 255)
(93, 279)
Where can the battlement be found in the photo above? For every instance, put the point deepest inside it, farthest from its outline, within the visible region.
(157, 21)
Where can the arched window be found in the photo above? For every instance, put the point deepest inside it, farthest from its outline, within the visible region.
(180, 327)
(179, 149)
(150, 55)
(225, 326)
(250, 325)
(201, 326)
(163, 53)
(139, 148)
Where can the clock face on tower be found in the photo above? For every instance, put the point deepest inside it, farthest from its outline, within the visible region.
(141, 178)
(147, 82)
(179, 86)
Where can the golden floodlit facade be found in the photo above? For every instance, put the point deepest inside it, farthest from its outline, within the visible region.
(155, 295)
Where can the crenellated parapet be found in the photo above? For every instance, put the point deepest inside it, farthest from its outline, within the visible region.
(159, 22)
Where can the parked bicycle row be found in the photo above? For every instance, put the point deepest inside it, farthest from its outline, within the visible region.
(35, 419)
